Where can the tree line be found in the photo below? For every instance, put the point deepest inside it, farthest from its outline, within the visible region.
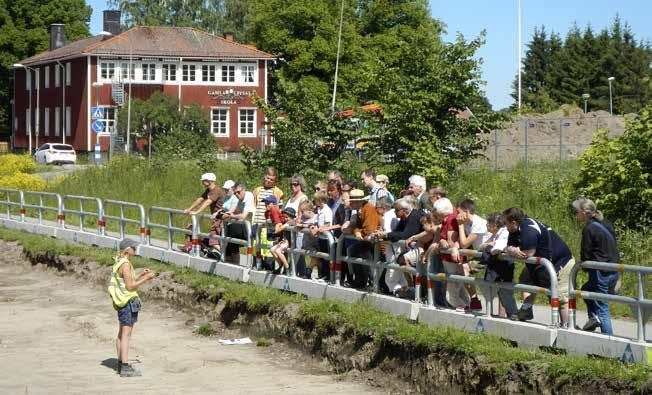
(559, 71)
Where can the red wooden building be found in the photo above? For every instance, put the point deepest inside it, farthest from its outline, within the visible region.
(55, 91)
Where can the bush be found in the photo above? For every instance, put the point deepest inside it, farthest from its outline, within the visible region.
(615, 172)
(11, 164)
(24, 181)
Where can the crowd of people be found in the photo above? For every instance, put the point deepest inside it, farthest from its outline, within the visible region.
(433, 229)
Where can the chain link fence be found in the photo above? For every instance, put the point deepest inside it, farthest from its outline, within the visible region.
(540, 139)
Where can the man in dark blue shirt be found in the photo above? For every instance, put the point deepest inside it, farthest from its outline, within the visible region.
(527, 238)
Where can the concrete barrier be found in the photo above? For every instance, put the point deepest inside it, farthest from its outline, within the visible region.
(626, 350)
(394, 306)
(525, 334)
(160, 254)
(309, 288)
(350, 295)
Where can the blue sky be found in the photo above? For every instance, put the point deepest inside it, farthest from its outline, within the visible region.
(499, 19)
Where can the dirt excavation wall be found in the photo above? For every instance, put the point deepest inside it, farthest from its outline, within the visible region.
(387, 363)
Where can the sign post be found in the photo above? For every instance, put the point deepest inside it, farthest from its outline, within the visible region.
(262, 132)
(98, 153)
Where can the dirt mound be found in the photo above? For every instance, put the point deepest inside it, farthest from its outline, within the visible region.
(386, 363)
(568, 127)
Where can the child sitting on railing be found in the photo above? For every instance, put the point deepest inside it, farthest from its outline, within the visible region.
(285, 239)
(499, 270)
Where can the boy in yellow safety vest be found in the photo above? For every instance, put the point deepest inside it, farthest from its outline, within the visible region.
(126, 302)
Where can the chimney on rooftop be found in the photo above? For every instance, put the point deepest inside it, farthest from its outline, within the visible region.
(112, 22)
(57, 36)
(228, 36)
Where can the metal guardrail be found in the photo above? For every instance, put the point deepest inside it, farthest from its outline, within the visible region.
(552, 292)
(123, 220)
(224, 238)
(10, 203)
(293, 251)
(99, 214)
(41, 207)
(171, 229)
(638, 304)
(376, 264)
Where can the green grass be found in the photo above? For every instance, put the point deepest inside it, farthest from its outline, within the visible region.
(330, 315)
(205, 330)
(263, 342)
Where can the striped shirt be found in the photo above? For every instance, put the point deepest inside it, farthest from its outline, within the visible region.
(260, 194)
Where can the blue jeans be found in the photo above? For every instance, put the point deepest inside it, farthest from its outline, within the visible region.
(600, 282)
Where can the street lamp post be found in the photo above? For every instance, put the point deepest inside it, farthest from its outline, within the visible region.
(38, 91)
(611, 104)
(519, 54)
(586, 97)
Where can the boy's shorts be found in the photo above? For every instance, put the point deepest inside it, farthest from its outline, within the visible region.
(128, 315)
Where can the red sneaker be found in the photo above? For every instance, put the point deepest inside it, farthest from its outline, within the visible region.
(476, 304)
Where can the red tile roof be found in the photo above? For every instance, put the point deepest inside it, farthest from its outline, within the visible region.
(155, 41)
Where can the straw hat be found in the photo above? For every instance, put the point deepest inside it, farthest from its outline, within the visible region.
(357, 195)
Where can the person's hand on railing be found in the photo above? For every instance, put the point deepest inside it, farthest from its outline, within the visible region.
(455, 254)
(358, 235)
(515, 252)
(443, 244)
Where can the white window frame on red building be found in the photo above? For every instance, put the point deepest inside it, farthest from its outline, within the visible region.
(240, 110)
(215, 123)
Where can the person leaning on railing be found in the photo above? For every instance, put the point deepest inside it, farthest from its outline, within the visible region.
(531, 238)
(599, 245)
(458, 297)
(363, 225)
(213, 198)
(409, 225)
(499, 270)
(242, 211)
(472, 230)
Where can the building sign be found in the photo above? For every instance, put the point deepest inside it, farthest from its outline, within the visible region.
(229, 96)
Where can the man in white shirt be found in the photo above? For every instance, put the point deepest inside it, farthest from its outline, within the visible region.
(242, 211)
(472, 233)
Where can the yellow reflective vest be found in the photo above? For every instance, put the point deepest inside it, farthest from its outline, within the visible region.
(117, 288)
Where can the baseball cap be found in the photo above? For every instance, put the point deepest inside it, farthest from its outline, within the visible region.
(126, 243)
(228, 184)
(291, 212)
(208, 177)
(270, 199)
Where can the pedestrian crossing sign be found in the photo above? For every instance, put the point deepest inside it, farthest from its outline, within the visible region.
(97, 112)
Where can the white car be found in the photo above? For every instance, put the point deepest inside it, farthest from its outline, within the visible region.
(55, 154)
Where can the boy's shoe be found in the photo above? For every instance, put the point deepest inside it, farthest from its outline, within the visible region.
(525, 314)
(476, 304)
(592, 324)
(128, 371)
(464, 309)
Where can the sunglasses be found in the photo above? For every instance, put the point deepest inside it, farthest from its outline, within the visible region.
(295, 184)
(317, 189)
(238, 192)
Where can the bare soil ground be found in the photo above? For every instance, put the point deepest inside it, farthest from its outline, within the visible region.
(57, 336)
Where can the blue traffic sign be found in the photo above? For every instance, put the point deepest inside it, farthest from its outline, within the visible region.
(97, 113)
(97, 126)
